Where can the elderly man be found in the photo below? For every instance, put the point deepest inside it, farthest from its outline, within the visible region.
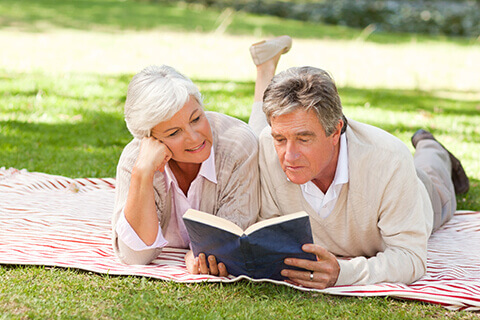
(372, 206)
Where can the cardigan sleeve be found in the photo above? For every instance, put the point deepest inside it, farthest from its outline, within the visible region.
(238, 197)
(124, 171)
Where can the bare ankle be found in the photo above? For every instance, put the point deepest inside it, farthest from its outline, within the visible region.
(268, 68)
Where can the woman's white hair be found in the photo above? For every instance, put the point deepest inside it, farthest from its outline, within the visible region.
(154, 95)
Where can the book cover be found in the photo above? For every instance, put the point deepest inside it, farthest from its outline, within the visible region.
(258, 251)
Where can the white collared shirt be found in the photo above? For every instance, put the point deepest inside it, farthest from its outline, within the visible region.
(176, 234)
(322, 203)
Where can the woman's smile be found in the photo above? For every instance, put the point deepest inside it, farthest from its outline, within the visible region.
(198, 148)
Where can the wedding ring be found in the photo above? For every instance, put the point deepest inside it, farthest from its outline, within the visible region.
(311, 275)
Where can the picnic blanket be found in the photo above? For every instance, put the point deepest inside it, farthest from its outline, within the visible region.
(57, 221)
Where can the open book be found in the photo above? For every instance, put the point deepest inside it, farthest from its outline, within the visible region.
(257, 252)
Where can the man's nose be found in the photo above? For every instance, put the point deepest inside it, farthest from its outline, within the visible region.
(291, 152)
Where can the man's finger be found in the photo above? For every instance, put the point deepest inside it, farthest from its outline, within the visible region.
(310, 284)
(222, 270)
(306, 278)
(316, 250)
(296, 274)
(302, 263)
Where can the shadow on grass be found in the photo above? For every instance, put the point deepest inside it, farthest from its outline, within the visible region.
(89, 148)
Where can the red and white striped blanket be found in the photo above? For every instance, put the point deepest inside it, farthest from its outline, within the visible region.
(57, 221)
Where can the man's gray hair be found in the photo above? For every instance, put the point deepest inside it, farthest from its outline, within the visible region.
(154, 95)
(306, 88)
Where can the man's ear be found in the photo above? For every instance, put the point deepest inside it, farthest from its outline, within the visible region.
(338, 131)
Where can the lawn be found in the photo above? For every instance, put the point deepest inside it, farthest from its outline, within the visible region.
(68, 122)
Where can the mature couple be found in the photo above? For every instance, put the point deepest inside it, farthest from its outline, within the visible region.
(372, 206)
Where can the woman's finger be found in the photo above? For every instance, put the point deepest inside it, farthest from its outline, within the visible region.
(212, 262)
(203, 263)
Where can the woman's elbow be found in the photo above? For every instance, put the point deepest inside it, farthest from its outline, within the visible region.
(131, 257)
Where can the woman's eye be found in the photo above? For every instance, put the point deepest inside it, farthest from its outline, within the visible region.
(196, 119)
(173, 133)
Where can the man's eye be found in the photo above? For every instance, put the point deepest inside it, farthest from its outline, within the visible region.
(303, 140)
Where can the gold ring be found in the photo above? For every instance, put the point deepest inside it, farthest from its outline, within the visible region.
(311, 275)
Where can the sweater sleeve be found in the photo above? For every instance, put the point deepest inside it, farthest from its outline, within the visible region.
(268, 178)
(129, 237)
(402, 223)
(124, 171)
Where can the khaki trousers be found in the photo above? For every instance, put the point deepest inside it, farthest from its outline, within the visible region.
(434, 170)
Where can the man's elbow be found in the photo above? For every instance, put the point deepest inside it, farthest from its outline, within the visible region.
(419, 270)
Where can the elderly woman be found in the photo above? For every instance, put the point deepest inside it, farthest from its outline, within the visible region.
(181, 157)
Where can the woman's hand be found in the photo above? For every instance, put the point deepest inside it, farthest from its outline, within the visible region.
(140, 210)
(198, 265)
(153, 155)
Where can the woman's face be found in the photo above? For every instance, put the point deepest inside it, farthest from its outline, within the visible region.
(187, 134)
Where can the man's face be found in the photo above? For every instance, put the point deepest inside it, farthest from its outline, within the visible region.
(304, 151)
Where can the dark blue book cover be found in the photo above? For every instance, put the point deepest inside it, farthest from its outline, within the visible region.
(258, 252)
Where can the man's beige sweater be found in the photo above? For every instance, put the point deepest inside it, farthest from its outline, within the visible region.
(383, 217)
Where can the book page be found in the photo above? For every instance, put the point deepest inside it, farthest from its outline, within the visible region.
(259, 225)
(214, 221)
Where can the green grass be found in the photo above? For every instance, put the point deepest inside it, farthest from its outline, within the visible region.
(72, 124)
(46, 293)
(118, 15)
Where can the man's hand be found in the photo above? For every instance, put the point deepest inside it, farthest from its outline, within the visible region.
(198, 265)
(320, 274)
